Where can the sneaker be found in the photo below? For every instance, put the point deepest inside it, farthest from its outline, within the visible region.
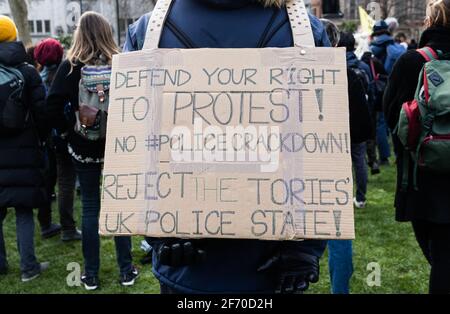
(51, 231)
(90, 283)
(31, 275)
(359, 205)
(72, 235)
(129, 279)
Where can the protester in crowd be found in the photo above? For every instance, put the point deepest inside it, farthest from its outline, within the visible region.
(426, 205)
(361, 121)
(377, 86)
(401, 39)
(245, 266)
(22, 127)
(49, 54)
(48, 229)
(392, 24)
(385, 49)
(413, 45)
(341, 251)
(92, 50)
(30, 58)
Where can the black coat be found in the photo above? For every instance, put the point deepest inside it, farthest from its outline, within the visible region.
(65, 90)
(360, 125)
(432, 200)
(22, 162)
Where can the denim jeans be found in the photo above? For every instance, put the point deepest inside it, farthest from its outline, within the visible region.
(361, 170)
(383, 138)
(340, 262)
(89, 176)
(25, 239)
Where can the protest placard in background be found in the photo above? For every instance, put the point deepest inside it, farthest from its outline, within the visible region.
(229, 143)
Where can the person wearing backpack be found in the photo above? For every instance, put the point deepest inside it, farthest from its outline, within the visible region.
(83, 81)
(22, 128)
(222, 265)
(360, 119)
(49, 54)
(340, 252)
(387, 51)
(420, 123)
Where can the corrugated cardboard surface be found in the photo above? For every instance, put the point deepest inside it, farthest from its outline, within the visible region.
(298, 94)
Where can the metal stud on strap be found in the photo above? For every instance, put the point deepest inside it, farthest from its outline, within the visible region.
(298, 18)
(156, 24)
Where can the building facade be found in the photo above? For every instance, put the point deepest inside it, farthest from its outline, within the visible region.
(54, 18)
(410, 13)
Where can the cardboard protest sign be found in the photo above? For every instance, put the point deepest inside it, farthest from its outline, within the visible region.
(229, 143)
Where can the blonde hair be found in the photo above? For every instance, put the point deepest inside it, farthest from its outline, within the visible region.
(438, 13)
(269, 3)
(93, 38)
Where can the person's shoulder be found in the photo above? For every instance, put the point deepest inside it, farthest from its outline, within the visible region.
(137, 31)
(29, 72)
(411, 57)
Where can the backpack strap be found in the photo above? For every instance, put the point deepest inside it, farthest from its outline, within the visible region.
(297, 12)
(428, 54)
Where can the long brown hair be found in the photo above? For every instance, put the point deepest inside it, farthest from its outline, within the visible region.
(93, 38)
(438, 13)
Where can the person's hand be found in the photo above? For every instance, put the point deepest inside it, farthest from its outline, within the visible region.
(179, 253)
(293, 271)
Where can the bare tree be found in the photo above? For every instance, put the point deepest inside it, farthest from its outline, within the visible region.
(19, 12)
(404, 10)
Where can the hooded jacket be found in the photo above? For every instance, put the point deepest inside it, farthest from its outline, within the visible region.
(231, 265)
(21, 159)
(432, 200)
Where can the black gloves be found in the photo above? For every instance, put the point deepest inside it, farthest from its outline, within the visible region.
(293, 271)
(179, 253)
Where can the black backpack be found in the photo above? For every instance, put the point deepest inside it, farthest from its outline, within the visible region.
(13, 112)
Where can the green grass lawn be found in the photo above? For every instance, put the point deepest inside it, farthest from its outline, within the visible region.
(379, 239)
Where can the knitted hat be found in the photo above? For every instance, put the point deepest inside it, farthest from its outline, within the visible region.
(49, 52)
(380, 26)
(8, 30)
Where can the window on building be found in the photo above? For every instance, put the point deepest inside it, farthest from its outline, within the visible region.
(31, 26)
(39, 28)
(47, 27)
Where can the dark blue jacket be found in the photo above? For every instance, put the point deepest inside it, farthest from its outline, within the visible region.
(387, 51)
(354, 62)
(231, 265)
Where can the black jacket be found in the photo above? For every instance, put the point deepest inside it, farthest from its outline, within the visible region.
(432, 200)
(360, 125)
(22, 162)
(64, 91)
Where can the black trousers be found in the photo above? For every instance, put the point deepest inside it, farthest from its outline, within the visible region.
(434, 240)
(61, 170)
(45, 211)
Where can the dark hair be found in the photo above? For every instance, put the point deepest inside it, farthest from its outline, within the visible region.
(30, 56)
(348, 41)
(332, 31)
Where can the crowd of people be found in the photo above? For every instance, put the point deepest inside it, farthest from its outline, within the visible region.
(52, 133)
